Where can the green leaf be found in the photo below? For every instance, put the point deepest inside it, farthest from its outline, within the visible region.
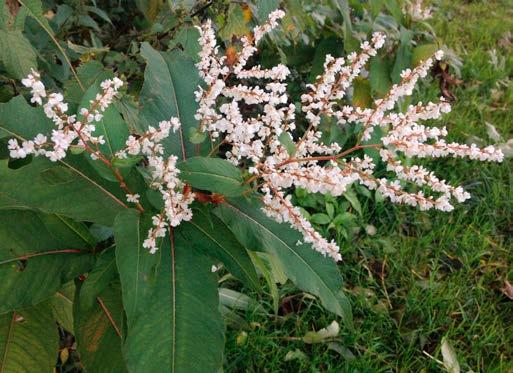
(187, 37)
(263, 264)
(16, 54)
(265, 7)
(308, 269)
(422, 53)
(62, 306)
(29, 341)
(180, 328)
(99, 330)
(395, 10)
(35, 10)
(212, 174)
(320, 218)
(56, 189)
(170, 80)
(137, 267)
(286, 140)
(380, 76)
(353, 200)
(126, 162)
(89, 73)
(38, 254)
(102, 274)
(212, 237)
(19, 119)
(81, 195)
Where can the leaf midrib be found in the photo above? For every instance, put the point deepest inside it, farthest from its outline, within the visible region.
(222, 247)
(105, 191)
(285, 244)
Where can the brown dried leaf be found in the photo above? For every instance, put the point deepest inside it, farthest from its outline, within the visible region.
(508, 289)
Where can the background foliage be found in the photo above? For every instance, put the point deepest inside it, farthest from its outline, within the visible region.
(415, 280)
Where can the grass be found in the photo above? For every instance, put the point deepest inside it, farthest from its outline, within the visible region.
(440, 274)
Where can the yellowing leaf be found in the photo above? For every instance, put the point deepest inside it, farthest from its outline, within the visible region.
(450, 358)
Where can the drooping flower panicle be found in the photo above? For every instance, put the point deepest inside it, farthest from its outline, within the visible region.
(279, 156)
(314, 166)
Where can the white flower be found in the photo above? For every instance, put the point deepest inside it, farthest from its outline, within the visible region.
(133, 198)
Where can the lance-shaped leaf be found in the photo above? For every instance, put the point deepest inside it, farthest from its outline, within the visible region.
(170, 80)
(308, 269)
(57, 188)
(137, 268)
(214, 174)
(29, 340)
(179, 327)
(19, 119)
(16, 54)
(38, 254)
(99, 329)
(70, 187)
(211, 236)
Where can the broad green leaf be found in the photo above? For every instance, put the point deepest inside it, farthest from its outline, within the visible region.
(179, 328)
(35, 10)
(380, 76)
(422, 53)
(308, 269)
(212, 174)
(170, 80)
(69, 187)
(16, 54)
(38, 254)
(19, 119)
(99, 330)
(137, 267)
(211, 236)
(58, 189)
(187, 37)
(29, 340)
(111, 127)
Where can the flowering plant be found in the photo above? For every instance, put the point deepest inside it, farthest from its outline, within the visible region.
(146, 212)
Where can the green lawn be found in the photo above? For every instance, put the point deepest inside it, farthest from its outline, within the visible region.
(423, 276)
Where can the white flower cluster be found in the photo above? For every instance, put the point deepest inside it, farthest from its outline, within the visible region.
(264, 136)
(163, 172)
(68, 128)
(163, 177)
(417, 11)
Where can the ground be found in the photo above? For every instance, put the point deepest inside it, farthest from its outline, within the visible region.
(423, 276)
